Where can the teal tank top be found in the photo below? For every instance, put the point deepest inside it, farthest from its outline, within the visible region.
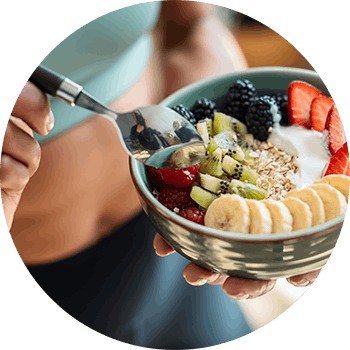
(106, 56)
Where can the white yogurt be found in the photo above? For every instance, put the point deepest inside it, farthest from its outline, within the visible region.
(308, 146)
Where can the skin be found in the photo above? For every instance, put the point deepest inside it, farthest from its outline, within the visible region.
(236, 288)
(20, 152)
(139, 128)
(65, 195)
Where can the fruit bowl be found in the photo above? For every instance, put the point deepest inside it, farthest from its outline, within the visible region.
(243, 255)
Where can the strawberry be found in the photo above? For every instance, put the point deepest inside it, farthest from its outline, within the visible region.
(339, 163)
(336, 133)
(172, 197)
(300, 95)
(319, 109)
(193, 214)
(173, 177)
(347, 170)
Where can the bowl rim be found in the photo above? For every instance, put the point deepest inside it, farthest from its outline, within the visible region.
(149, 198)
(282, 71)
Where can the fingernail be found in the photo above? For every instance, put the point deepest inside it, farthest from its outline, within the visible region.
(51, 123)
(301, 283)
(240, 296)
(196, 283)
(213, 277)
(162, 255)
(270, 287)
(49, 127)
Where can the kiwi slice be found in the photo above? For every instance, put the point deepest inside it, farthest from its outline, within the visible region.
(224, 140)
(185, 156)
(204, 128)
(239, 171)
(227, 142)
(214, 184)
(247, 190)
(202, 197)
(246, 143)
(223, 122)
(211, 164)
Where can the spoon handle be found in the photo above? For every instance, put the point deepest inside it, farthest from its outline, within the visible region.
(56, 85)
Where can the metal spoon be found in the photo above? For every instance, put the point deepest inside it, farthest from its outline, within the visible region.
(156, 136)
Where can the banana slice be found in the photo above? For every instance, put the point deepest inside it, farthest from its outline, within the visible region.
(282, 219)
(300, 211)
(260, 217)
(229, 212)
(333, 201)
(339, 182)
(313, 200)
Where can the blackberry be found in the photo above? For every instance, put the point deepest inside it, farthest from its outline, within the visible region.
(239, 97)
(204, 108)
(282, 103)
(185, 112)
(259, 118)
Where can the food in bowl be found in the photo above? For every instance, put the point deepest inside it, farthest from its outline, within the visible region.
(275, 163)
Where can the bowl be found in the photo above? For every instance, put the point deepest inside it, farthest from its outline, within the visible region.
(236, 254)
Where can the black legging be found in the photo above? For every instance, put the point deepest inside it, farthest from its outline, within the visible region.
(123, 290)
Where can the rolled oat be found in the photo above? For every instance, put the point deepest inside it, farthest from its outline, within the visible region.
(275, 169)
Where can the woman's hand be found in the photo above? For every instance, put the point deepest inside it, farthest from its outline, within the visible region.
(139, 128)
(235, 287)
(20, 155)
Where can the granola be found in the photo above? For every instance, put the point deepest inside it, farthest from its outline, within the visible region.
(275, 169)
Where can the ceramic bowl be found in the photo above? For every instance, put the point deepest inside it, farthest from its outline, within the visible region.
(236, 254)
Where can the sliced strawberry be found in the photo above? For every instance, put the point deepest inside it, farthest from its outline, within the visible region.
(336, 132)
(300, 95)
(193, 214)
(172, 197)
(339, 163)
(173, 177)
(319, 109)
(347, 171)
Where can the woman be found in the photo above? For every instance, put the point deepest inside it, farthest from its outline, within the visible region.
(75, 217)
